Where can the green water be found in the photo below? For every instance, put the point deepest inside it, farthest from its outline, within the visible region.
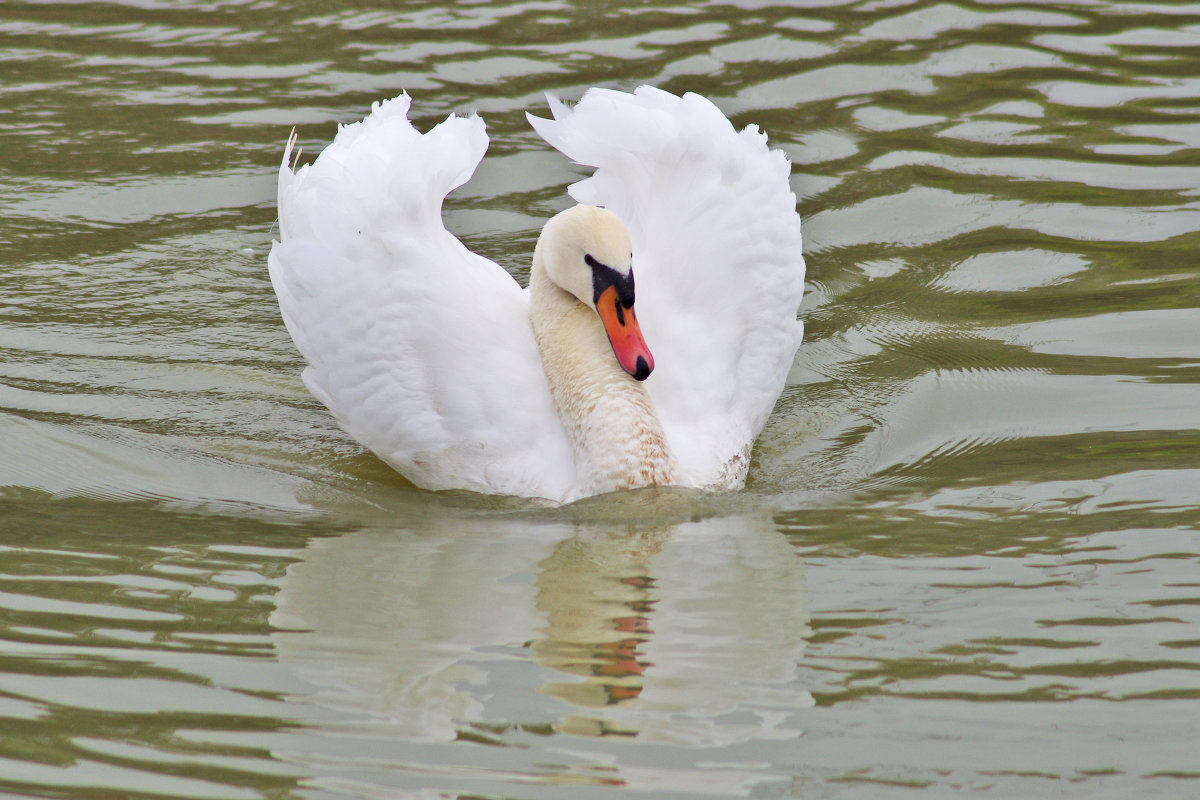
(966, 562)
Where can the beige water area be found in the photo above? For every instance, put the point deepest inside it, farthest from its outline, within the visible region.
(966, 562)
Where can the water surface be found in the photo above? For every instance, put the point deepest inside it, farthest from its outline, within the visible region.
(966, 559)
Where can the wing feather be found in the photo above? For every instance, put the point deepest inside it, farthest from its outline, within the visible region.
(717, 260)
(421, 349)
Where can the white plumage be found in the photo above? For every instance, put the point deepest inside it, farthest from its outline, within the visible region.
(424, 351)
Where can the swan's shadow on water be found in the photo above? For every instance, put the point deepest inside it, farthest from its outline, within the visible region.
(477, 626)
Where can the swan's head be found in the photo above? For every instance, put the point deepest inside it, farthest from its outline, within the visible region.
(586, 252)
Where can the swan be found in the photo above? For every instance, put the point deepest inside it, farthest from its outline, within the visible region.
(588, 381)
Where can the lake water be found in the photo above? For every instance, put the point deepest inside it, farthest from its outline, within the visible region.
(968, 558)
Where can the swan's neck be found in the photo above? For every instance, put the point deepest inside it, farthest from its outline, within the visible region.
(609, 418)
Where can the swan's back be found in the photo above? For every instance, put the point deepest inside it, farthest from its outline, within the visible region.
(717, 258)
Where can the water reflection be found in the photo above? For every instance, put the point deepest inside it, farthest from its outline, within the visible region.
(466, 628)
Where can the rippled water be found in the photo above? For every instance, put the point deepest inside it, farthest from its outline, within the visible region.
(966, 561)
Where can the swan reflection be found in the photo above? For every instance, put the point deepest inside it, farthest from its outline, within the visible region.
(687, 633)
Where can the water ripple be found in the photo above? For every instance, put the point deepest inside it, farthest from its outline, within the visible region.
(985, 454)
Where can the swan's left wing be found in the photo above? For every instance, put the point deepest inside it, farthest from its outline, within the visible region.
(422, 349)
(717, 261)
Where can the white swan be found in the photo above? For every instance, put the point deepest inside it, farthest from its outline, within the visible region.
(436, 359)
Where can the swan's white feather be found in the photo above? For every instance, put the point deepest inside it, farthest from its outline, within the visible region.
(717, 261)
(420, 348)
(423, 350)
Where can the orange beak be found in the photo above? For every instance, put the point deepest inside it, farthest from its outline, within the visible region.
(620, 323)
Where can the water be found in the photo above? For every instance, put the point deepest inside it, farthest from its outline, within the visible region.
(966, 560)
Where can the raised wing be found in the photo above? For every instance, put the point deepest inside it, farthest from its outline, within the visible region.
(422, 350)
(717, 261)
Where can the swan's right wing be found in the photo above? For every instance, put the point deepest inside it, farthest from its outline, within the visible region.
(422, 349)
